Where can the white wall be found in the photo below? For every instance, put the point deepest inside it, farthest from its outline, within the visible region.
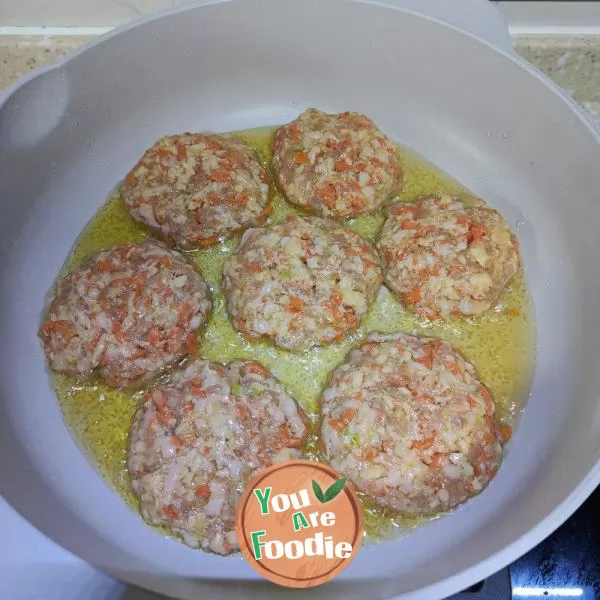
(523, 17)
(66, 13)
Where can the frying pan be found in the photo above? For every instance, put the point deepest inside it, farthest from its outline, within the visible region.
(486, 118)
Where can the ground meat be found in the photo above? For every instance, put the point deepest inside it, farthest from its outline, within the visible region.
(196, 442)
(335, 165)
(409, 422)
(443, 255)
(126, 314)
(195, 190)
(304, 282)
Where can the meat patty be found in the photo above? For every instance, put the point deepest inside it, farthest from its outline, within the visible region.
(335, 165)
(196, 189)
(126, 314)
(196, 442)
(409, 422)
(443, 255)
(304, 282)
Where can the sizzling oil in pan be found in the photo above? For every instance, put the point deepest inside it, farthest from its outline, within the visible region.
(500, 342)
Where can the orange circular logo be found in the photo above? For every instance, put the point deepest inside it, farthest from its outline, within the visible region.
(299, 523)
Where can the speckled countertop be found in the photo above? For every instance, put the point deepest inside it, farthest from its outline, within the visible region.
(573, 62)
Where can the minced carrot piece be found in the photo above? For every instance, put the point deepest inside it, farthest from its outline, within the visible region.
(476, 231)
(505, 432)
(118, 332)
(124, 280)
(424, 230)
(257, 368)
(241, 198)
(348, 317)
(387, 445)
(64, 328)
(191, 342)
(455, 369)
(213, 144)
(220, 176)
(357, 203)
(165, 261)
(162, 152)
(331, 143)
(427, 359)
(181, 152)
(105, 265)
(139, 352)
(301, 158)
(243, 411)
(347, 415)
(154, 336)
(341, 166)
(408, 224)
(398, 381)
(403, 209)
(455, 270)
(295, 304)
(287, 439)
(131, 176)
(336, 424)
(253, 267)
(437, 458)
(197, 388)
(338, 337)
(389, 255)
(94, 341)
(420, 445)
(171, 512)
(209, 241)
(204, 393)
(184, 314)
(294, 131)
(422, 398)
(354, 185)
(343, 420)
(414, 295)
(487, 398)
(203, 491)
(368, 453)
(328, 194)
(165, 414)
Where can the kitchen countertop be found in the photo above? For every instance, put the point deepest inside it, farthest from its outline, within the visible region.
(572, 62)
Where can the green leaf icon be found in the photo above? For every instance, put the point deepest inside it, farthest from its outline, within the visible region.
(318, 491)
(334, 489)
(331, 492)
